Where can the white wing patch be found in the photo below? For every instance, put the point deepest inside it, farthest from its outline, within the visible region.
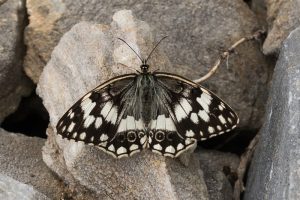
(179, 112)
(105, 110)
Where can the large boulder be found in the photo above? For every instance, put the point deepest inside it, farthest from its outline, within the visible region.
(274, 172)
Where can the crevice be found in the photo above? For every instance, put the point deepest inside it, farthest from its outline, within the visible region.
(31, 118)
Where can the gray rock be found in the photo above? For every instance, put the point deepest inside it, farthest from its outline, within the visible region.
(11, 189)
(274, 172)
(196, 37)
(89, 54)
(21, 166)
(283, 17)
(13, 84)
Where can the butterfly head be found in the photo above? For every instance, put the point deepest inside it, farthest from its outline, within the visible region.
(144, 67)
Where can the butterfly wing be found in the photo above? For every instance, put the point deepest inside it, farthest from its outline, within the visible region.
(101, 118)
(181, 112)
(187, 112)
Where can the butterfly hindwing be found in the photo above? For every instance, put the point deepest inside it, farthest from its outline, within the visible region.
(100, 118)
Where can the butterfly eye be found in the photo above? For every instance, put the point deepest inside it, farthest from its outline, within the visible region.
(131, 136)
(159, 136)
(121, 137)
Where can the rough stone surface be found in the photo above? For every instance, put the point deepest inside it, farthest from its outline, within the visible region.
(21, 166)
(13, 84)
(274, 172)
(89, 54)
(11, 189)
(213, 164)
(283, 17)
(192, 45)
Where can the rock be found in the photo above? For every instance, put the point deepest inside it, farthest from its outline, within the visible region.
(21, 166)
(89, 54)
(274, 172)
(196, 37)
(283, 17)
(213, 164)
(13, 83)
(11, 189)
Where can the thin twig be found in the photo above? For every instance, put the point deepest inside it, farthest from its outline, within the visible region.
(227, 53)
(244, 163)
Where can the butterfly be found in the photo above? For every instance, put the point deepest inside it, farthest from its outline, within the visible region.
(164, 112)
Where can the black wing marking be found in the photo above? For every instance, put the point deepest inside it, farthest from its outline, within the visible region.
(196, 113)
(101, 118)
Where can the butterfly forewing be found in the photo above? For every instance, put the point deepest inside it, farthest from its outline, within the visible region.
(102, 118)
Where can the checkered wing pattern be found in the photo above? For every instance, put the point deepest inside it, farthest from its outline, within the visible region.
(164, 112)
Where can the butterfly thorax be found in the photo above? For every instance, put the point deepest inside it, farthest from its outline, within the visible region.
(145, 95)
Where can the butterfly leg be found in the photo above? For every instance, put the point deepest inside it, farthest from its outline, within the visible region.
(228, 52)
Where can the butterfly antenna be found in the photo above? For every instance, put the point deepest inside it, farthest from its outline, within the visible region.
(155, 47)
(131, 49)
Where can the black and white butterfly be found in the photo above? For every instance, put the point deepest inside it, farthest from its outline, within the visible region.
(164, 112)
